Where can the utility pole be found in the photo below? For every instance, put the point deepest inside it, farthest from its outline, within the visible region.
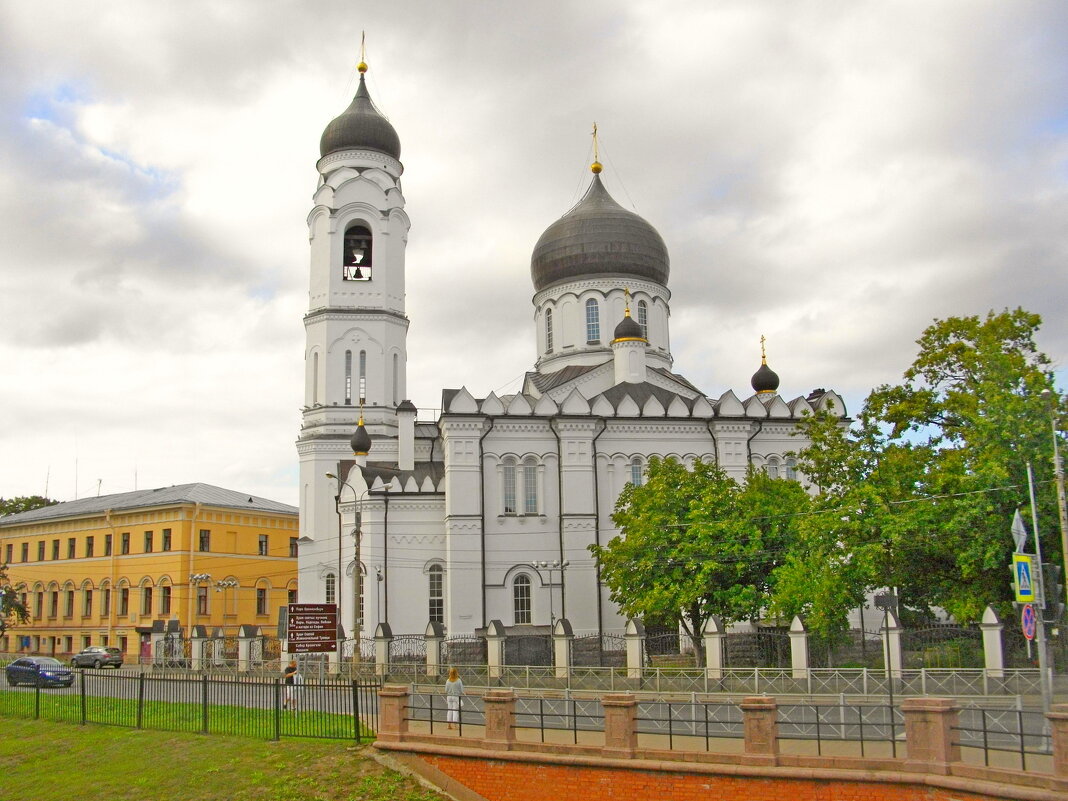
(1058, 474)
(1040, 595)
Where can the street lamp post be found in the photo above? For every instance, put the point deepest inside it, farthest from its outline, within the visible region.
(554, 565)
(1058, 473)
(358, 532)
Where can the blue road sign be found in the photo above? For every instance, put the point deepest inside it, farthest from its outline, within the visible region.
(1025, 585)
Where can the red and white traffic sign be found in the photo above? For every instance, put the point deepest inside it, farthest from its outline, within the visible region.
(1028, 621)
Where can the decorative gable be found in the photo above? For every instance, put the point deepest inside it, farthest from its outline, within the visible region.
(728, 405)
(574, 403)
(492, 405)
(463, 402)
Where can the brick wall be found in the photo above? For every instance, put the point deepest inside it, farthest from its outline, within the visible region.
(512, 779)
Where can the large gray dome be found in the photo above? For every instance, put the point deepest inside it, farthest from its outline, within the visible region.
(598, 237)
(360, 127)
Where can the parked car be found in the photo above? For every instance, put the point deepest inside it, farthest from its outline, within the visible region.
(97, 656)
(44, 671)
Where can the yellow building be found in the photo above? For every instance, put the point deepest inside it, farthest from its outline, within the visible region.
(100, 571)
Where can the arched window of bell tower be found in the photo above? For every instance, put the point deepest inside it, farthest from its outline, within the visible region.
(363, 377)
(548, 330)
(315, 379)
(396, 379)
(348, 378)
(357, 252)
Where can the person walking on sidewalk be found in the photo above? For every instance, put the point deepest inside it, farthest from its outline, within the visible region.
(454, 693)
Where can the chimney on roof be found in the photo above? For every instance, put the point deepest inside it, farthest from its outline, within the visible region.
(406, 413)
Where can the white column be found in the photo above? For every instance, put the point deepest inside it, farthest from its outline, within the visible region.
(563, 636)
(635, 637)
(495, 648)
(799, 648)
(993, 648)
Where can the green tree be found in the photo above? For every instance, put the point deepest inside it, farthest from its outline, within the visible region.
(929, 475)
(964, 423)
(12, 610)
(695, 543)
(10, 506)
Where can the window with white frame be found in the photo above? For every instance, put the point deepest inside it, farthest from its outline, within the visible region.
(530, 486)
(548, 330)
(593, 321)
(791, 468)
(348, 378)
(772, 467)
(363, 376)
(636, 471)
(643, 318)
(331, 588)
(521, 598)
(508, 471)
(436, 592)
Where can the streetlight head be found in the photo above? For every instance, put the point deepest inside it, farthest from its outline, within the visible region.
(331, 475)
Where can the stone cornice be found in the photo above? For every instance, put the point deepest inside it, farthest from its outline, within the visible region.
(346, 314)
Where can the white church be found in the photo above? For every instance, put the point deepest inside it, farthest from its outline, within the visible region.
(487, 513)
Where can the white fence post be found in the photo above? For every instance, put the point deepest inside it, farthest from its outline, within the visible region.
(712, 635)
(635, 637)
(434, 636)
(563, 636)
(799, 648)
(494, 648)
(993, 648)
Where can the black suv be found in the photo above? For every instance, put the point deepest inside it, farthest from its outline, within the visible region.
(97, 656)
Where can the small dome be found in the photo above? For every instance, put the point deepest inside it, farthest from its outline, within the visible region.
(628, 328)
(765, 379)
(361, 440)
(598, 237)
(360, 127)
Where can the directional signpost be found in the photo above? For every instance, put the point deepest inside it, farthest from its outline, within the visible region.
(312, 628)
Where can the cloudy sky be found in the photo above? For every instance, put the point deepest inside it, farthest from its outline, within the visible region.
(833, 175)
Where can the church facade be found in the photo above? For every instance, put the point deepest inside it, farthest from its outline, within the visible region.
(487, 513)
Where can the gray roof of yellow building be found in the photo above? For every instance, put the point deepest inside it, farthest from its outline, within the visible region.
(205, 494)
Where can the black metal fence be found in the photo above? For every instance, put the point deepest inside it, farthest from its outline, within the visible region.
(1015, 733)
(244, 706)
(860, 723)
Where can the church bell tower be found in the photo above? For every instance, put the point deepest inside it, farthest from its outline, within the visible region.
(356, 327)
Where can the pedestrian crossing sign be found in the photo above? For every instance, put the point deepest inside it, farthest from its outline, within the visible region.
(1024, 581)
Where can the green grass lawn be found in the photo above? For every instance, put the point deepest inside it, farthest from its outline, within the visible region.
(48, 761)
(187, 717)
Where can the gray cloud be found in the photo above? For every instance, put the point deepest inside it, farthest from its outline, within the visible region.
(834, 177)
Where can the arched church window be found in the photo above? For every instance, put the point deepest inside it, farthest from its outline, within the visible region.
(436, 582)
(530, 486)
(330, 585)
(315, 378)
(772, 467)
(396, 379)
(643, 318)
(521, 598)
(508, 486)
(548, 330)
(636, 471)
(363, 376)
(356, 259)
(348, 378)
(593, 322)
(791, 468)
